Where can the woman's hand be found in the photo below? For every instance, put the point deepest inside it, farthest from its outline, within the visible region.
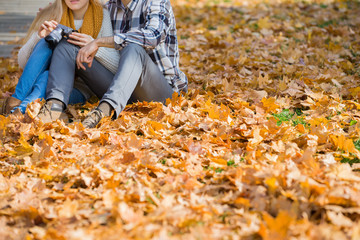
(46, 28)
(79, 39)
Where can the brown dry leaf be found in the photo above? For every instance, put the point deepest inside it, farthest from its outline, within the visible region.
(68, 209)
(339, 219)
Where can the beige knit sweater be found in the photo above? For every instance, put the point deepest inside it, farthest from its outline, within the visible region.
(108, 57)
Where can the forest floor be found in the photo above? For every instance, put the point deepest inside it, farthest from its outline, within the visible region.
(265, 145)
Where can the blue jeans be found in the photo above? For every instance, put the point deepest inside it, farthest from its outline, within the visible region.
(33, 81)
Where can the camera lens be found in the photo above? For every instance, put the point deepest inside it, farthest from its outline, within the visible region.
(54, 37)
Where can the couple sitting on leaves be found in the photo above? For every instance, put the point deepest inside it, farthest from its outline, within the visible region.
(122, 52)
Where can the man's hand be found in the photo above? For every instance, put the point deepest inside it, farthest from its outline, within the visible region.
(40, 9)
(79, 39)
(86, 55)
(46, 28)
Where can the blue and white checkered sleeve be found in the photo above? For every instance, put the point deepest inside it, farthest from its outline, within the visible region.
(155, 29)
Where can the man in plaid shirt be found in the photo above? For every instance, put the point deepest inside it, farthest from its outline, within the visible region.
(145, 35)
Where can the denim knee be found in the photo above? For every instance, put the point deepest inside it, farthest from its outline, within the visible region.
(66, 48)
(134, 48)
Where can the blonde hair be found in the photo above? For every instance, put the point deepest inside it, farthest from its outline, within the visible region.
(53, 11)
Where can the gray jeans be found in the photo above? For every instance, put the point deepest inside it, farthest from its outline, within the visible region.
(137, 77)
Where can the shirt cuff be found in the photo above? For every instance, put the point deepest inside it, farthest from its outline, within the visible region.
(119, 40)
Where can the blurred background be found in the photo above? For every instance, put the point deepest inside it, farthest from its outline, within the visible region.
(15, 18)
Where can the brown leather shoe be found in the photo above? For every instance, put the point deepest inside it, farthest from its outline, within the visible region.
(52, 111)
(8, 104)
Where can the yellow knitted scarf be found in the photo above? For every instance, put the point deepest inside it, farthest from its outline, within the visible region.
(92, 20)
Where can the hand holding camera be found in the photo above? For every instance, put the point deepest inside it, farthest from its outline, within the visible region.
(57, 34)
(46, 28)
(79, 39)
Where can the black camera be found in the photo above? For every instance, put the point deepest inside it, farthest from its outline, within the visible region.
(57, 34)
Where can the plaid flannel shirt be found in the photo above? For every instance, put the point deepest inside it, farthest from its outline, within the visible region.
(151, 24)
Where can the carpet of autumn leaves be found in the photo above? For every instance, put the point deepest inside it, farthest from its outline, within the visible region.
(264, 146)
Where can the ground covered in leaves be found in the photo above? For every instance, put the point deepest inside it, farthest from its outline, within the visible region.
(264, 146)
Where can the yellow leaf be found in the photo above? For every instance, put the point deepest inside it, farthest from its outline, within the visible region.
(243, 201)
(48, 138)
(343, 5)
(301, 128)
(354, 92)
(272, 184)
(270, 104)
(175, 100)
(215, 112)
(276, 228)
(219, 160)
(344, 144)
(341, 200)
(347, 65)
(4, 121)
(155, 125)
(264, 23)
(46, 177)
(24, 147)
(318, 121)
(282, 86)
